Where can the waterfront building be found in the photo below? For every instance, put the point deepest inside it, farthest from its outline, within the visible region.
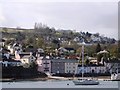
(44, 64)
(57, 66)
(98, 69)
(11, 63)
(71, 66)
(113, 65)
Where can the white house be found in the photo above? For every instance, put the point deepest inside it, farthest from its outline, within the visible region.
(91, 69)
(14, 47)
(25, 57)
(11, 63)
(71, 67)
(94, 38)
(40, 50)
(113, 66)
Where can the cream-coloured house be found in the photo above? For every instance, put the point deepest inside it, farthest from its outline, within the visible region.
(25, 57)
(71, 67)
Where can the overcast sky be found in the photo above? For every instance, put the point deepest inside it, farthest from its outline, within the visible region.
(94, 17)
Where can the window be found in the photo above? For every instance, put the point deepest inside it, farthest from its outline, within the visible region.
(32, 58)
(45, 63)
(73, 67)
(46, 70)
(73, 71)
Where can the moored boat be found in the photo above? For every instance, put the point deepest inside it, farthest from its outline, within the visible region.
(86, 82)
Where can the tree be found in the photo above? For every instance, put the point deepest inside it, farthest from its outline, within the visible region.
(56, 43)
(19, 36)
(99, 57)
(5, 30)
(39, 42)
(98, 48)
(30, 40)
(119, 49)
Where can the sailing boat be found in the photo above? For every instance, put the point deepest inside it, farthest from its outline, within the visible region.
(84, 81)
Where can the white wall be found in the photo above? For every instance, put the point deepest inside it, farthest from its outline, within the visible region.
(71, 67)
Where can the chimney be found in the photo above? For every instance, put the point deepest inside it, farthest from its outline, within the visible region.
(17, 56)
(31, 53)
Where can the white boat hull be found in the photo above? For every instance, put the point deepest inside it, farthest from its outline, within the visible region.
(85, 82)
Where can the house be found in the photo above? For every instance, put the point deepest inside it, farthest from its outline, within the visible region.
(44, 64)
(57, 65)
(11, 63)
(5, 54)
(66, 50)
(40, 50)
(113, 65)
(92, 69)
(15, 46)
(62, 50)
(71, 66)
(64, 66)
(76, 39)
(25, 57)
(7, 61)
(95, 38)
(70, 50)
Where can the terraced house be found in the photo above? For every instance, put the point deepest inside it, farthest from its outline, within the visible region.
(58, 66)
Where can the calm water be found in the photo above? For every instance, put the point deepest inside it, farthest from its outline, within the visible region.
(56, 84)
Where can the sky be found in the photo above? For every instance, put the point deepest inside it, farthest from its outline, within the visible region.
(89, 15)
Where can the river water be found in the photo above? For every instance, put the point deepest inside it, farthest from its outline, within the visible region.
(57, 84)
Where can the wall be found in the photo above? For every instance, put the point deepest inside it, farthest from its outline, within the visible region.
(58, 67)
(71, 68)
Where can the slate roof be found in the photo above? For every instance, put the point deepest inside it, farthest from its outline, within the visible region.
(63, 60)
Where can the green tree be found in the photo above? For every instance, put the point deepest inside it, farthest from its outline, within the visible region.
(56, 43)
(98, 48)
(40, 42)
(19, 36)
(5, 30)
(119, 49)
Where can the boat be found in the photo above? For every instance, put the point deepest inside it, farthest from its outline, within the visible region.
(85, 81)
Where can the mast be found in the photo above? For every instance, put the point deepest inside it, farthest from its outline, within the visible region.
(82, 60)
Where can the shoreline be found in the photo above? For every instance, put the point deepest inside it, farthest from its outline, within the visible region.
(104, 78)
